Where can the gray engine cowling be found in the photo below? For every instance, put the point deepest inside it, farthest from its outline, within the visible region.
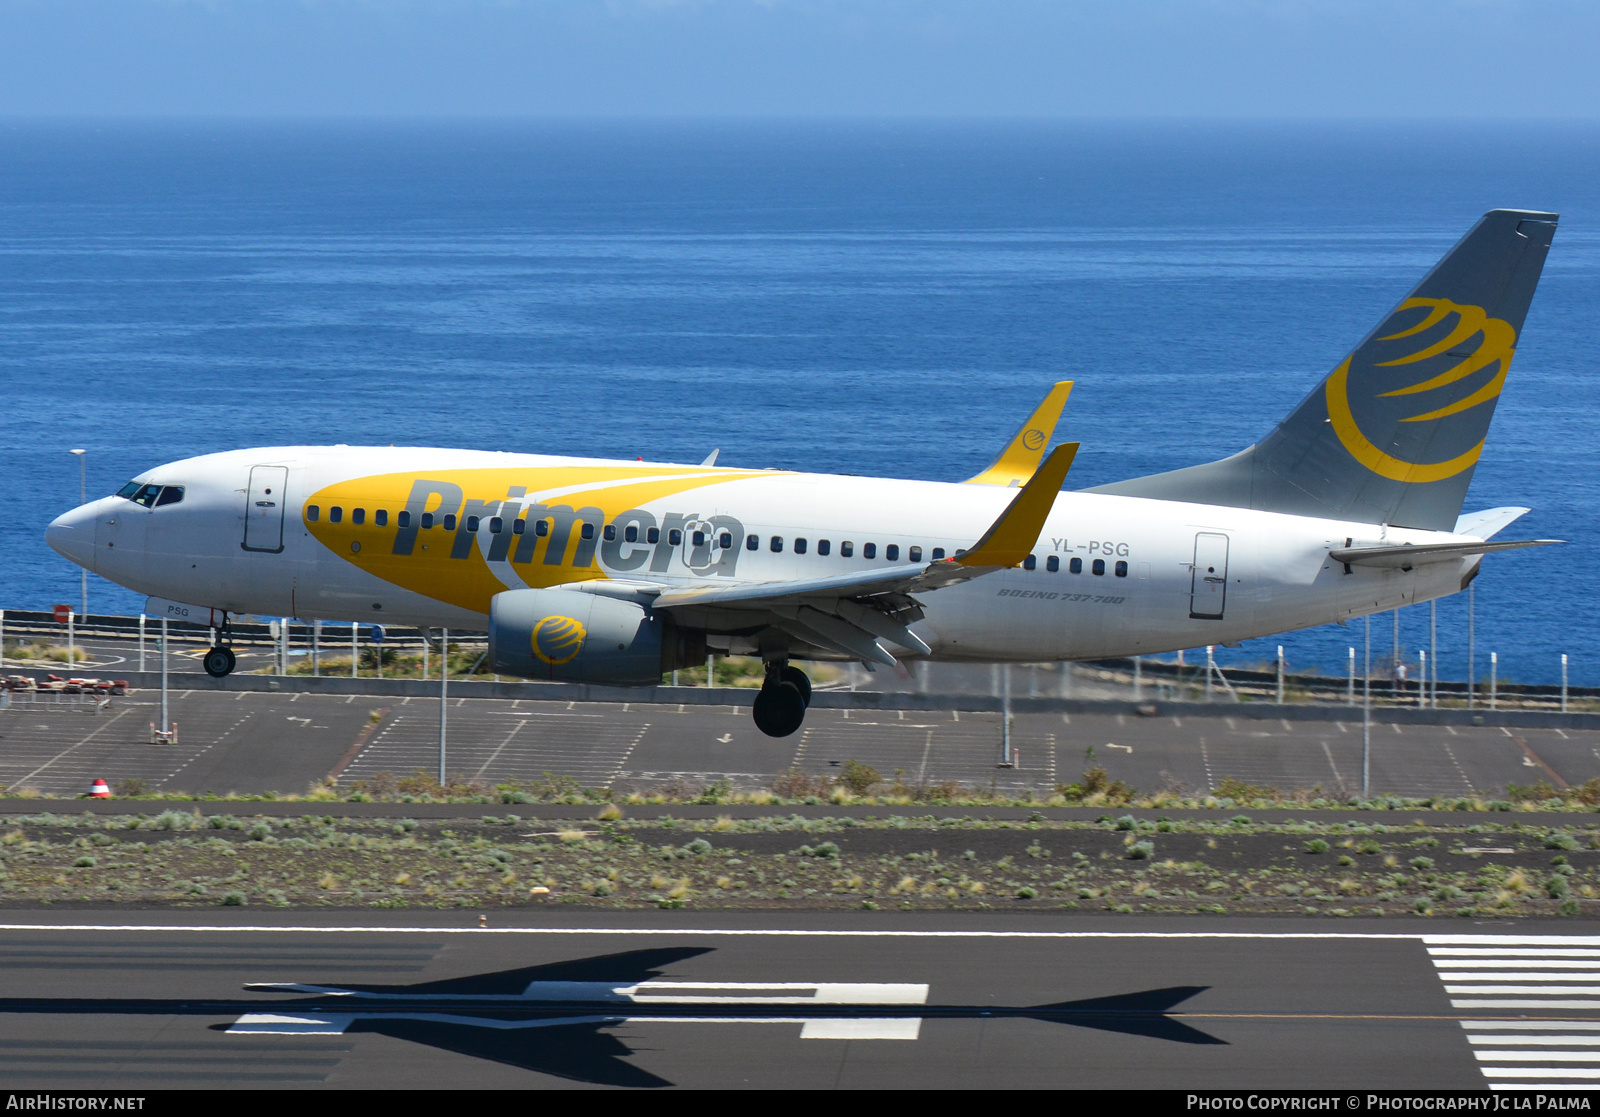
(573, 637)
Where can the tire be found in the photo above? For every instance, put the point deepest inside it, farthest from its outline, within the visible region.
(219, 662)
(800, 681)
(779, 709)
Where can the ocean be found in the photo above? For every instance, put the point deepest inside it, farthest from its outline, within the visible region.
(886, 297)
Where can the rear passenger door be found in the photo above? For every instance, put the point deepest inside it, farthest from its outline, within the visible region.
(1208, 586)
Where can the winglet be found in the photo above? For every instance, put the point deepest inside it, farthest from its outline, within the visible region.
(1013, 535)
(1021, 457)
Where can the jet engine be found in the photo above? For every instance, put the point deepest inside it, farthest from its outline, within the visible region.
(573, 637)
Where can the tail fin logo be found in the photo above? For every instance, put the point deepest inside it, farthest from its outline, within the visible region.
(1496, 345)
(1033, 438)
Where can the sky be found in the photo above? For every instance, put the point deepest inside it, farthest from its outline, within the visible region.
(806, 58)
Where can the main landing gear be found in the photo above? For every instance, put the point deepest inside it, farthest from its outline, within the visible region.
(220, 660)
(780, 707)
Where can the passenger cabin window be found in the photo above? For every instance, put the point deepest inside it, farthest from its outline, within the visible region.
(869, 550)
(892, 552)
(1029, 563)
(518, 526)
(725, 540)
(588, 531)
(630, 534)
(915, 554)
(777, 544)
(313, 513)
(472, 524)
(698, 539)
(938, 553)
(1099, 566)
(427, 519)
(335, 514)
(496, 525)
(403, 519)
(1076, 566)
(674, 537)
(823, 546)
(358, 515)
(450, 521)
(1052, 564)
(847, 549)
(1122, 569)
(381, 517)
(172, 494)
(800, 546)
(752, 542)
(652, 535)
(611, 533)
(541, 527)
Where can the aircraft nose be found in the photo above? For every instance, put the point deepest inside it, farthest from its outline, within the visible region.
(71, 535)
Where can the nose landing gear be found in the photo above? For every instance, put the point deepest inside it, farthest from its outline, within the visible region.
(220, 660)
(780, 707)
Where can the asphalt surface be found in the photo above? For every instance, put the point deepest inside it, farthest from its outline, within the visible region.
(880, 1001)
(252, 742)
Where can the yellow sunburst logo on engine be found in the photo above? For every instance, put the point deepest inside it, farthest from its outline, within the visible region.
(557, 640)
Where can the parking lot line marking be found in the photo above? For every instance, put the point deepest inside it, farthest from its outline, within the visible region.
(495, 755)
(68, 751)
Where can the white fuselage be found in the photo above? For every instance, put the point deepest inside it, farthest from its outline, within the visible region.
(1258, 572)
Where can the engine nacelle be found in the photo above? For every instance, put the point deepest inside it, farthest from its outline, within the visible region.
(574, 637)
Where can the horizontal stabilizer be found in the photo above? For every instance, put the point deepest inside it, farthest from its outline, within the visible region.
(1405, 557)
(1489, 523)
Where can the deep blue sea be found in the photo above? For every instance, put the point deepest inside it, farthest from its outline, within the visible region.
(887, 298)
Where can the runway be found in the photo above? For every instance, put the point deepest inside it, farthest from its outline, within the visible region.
(879, 1001)
(253, 742)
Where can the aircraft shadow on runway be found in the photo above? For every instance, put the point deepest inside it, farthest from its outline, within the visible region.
(559, 1018)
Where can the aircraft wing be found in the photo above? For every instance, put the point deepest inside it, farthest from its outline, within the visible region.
(1406, 556)
(853, 613)
(1022, 455)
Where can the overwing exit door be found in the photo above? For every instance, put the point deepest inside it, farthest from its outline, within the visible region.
(263, 510)
(1208, 587)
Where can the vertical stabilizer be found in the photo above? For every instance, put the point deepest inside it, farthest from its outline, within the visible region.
(1392, 435)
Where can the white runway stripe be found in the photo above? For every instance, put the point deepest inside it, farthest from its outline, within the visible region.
(1514, 975)
(1524, 990)
(1516, 1002)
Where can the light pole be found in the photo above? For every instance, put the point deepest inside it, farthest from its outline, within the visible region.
(83, 498)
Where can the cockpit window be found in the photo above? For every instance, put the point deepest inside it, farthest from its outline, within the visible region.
(151, 496)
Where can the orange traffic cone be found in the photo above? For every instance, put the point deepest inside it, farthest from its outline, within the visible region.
(99, 790)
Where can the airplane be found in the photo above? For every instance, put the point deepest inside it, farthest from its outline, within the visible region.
(614, 572)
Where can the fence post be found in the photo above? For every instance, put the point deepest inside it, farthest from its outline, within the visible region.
(1280, 674)
(72, 641)
(355, 651)
(1472, 647)
(1422, 681)
(1366, 711)
(141, 641)
(316, 649)
(1433, 653)
(1350, 688)
(2, 637)
(1211, 666)
(1494, 676)
(444, 694)
(1563, 682)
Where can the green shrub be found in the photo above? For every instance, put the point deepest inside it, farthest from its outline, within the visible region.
(1316, 845)
(1142, 851)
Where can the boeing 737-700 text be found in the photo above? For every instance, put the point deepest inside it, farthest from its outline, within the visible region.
(614, 572)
